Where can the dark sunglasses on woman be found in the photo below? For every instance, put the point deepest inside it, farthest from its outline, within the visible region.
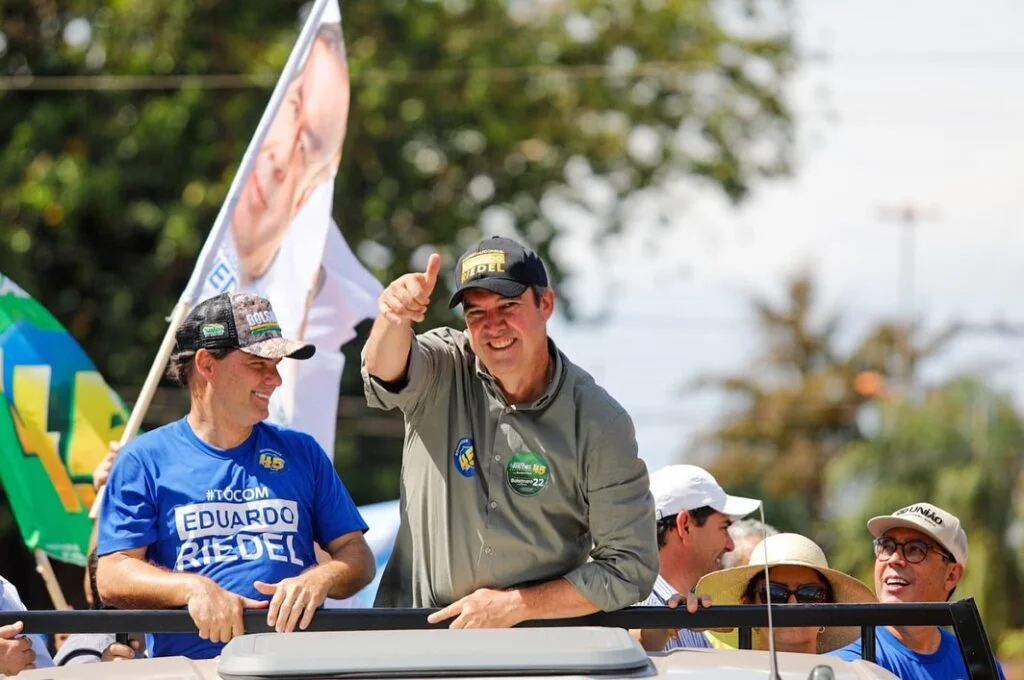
(808, 593)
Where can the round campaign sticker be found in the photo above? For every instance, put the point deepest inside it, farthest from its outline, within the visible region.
(527, 473)
(464, 458)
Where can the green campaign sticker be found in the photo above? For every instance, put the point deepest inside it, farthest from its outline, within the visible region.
(527, 473)
(213, 330)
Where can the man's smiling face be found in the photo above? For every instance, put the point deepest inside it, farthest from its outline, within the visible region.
(930, 580)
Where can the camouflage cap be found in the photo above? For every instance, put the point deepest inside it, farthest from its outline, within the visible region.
(238, 321)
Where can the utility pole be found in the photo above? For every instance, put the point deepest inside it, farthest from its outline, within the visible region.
(907, 217)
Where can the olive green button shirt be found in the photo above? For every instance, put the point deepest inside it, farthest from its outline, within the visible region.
(496, 495)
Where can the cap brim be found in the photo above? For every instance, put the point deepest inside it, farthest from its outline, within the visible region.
(738, 507)
(503, 287)
(280, 348)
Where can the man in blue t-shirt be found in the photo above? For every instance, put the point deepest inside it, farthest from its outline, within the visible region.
(219, 511)
(920, 555)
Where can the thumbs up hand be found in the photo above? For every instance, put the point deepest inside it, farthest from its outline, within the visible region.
(405, 300)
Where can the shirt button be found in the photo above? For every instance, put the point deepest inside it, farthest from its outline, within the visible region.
(508, 409)
(497, 457)
(494, 504)
(488, 550)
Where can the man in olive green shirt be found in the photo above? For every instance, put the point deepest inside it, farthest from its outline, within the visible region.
(522, 494)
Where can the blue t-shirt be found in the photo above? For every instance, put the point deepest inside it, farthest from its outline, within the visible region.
(945, 663)
(234, 515)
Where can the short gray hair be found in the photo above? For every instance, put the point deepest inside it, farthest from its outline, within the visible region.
(744, 529)
(751, 527)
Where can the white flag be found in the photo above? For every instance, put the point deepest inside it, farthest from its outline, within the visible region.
(345, 295)
(275, 235)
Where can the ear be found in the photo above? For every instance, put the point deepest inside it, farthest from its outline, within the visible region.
(953, 576)
(204, 364)
(547, 303)
(683, 524)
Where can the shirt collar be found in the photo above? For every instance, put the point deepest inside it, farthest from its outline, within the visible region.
(663, 590)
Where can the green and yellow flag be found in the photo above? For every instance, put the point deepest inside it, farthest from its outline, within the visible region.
(58, 419)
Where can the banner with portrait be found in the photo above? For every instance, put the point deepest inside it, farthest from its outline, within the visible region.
(277, 238)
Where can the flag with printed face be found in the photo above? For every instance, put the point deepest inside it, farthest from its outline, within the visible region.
(57, 419)
(276, 237)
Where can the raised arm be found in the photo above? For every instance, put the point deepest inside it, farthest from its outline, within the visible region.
(404, 301)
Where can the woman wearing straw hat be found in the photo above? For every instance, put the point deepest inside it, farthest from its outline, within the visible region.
(797, 572)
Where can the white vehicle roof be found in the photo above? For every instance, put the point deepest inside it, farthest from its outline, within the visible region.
(571, 652)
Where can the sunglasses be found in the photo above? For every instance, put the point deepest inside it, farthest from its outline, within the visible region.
(914, 551)
(809, 593)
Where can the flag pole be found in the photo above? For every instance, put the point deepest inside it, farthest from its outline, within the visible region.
(45, 569)
(217, 233)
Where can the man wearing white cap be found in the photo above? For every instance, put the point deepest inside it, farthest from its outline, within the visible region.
(920, 555)
(692, 514)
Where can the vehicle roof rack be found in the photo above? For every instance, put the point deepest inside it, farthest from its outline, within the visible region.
(434, 653)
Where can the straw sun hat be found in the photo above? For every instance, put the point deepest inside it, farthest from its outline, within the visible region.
(728, 585)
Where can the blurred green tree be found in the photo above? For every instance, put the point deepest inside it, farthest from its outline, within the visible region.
(468, 116)
(802, 403)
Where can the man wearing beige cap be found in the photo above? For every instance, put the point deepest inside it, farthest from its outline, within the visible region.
(692, 515)
(920, 555)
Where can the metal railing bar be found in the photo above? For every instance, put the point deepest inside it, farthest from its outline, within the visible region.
(725, 616)
(974, 644)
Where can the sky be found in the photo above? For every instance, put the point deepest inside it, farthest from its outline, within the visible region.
(914, 103)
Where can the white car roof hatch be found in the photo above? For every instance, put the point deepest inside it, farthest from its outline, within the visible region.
(434, 653)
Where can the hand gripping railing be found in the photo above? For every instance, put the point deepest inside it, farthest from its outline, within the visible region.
(962, 615)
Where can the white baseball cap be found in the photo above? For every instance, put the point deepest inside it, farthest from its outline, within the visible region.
(687, 487)
(930, 520)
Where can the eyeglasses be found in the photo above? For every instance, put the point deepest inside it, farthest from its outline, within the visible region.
(808, 593)
(913, 551)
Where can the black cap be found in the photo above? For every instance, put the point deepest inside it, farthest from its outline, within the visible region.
(499, 265)
(238, 321)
